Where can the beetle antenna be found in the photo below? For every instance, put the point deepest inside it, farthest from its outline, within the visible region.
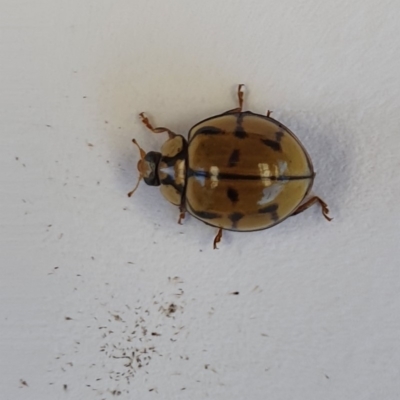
(139, 166)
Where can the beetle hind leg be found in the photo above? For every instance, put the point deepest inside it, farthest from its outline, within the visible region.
(160, 129)
(312, 201)
(240, 95)
(217, 238)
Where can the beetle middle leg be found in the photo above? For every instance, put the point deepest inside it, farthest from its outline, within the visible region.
(312, 201)
(160, 129)
(217, 238)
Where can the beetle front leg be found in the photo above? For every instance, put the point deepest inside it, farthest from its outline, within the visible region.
(160, 129)
(312, 201)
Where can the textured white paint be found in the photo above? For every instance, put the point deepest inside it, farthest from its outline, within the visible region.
(317, 315)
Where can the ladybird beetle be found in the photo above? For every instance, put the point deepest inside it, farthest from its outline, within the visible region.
(237, 171)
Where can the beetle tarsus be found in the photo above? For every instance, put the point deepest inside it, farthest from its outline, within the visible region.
(217, 238)
(269, 112)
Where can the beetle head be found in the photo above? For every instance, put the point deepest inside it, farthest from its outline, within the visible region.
(147, 167)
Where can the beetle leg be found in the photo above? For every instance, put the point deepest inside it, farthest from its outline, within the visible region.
(217, 238)
(161, 129)
(240, 98)
(312, 201)
(181, 217)
(181, 214)
(269, 113)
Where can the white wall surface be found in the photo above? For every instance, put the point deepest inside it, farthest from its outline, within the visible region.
(87, 274)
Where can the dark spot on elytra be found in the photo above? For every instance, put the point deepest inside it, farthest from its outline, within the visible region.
(268, 209)
(272, 144)
(279, 136)
(209, 130)
(232, 194)
(206, 214)
(235, 218)
(240, 133)
(234, 158)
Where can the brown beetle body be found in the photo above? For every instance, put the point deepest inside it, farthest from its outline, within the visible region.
(238, 171)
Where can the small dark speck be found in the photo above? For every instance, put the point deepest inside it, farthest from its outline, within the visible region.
(155, 334)
(130, 262)
(171, 309)
(106, 122)
(235, 293)
(23, 382)
(117, 317)
(68, 318)
(264, 334)
(49, 126)
(183, 389)
(85, 97)
(326, 376)
(17, 158)
(92, 258)
(65, 387)
(90, 145)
